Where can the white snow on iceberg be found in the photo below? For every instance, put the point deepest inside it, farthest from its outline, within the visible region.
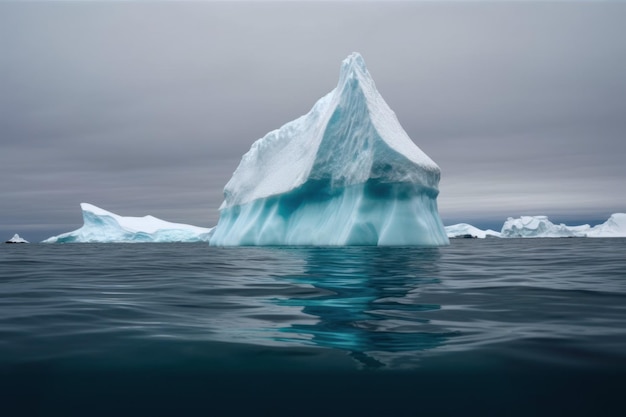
(615, 226)
(17, 239)
(103, 226)
(464, 229)
(346, 173)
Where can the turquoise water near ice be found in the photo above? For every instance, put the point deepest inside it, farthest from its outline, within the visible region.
(507, 327)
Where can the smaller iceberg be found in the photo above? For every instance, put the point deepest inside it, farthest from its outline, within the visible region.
(16, 239)
(101, 226)
(467, 230)
(540, 226)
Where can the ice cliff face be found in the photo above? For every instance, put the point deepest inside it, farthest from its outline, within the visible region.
(101, 226)
(346, 173)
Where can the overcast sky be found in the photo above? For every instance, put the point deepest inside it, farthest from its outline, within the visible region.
(146, 108)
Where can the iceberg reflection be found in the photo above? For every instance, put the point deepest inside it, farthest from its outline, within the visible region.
(370, 305)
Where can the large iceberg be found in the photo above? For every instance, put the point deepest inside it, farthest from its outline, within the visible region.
(346, 173)
(102, 226)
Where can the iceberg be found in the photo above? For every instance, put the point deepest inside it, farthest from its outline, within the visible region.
(17, 239)
(101, 226)
(467, 230)
(540, 226)
(346, 173)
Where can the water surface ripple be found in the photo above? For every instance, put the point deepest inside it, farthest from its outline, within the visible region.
(553, 301)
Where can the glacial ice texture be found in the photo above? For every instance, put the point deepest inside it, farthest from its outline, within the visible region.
(101, 226)
(346, 173)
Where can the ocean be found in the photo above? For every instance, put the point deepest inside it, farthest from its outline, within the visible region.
(481, 327)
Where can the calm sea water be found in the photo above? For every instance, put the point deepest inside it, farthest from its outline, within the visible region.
(500, 327)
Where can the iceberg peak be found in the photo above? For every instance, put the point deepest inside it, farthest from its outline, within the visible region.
(346, 173)
(353, 67)
(90, 208)
(354, 60)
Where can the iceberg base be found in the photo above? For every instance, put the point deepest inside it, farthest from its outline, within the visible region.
(318, 214)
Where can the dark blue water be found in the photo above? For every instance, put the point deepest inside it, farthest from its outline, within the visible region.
(499, 327)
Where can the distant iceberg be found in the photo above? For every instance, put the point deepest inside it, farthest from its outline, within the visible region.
(467, 230)
(101, 226)
(346, 173)
(16, 239)
(542, 227)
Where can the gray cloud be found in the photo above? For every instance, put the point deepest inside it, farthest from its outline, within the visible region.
(146, 108)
